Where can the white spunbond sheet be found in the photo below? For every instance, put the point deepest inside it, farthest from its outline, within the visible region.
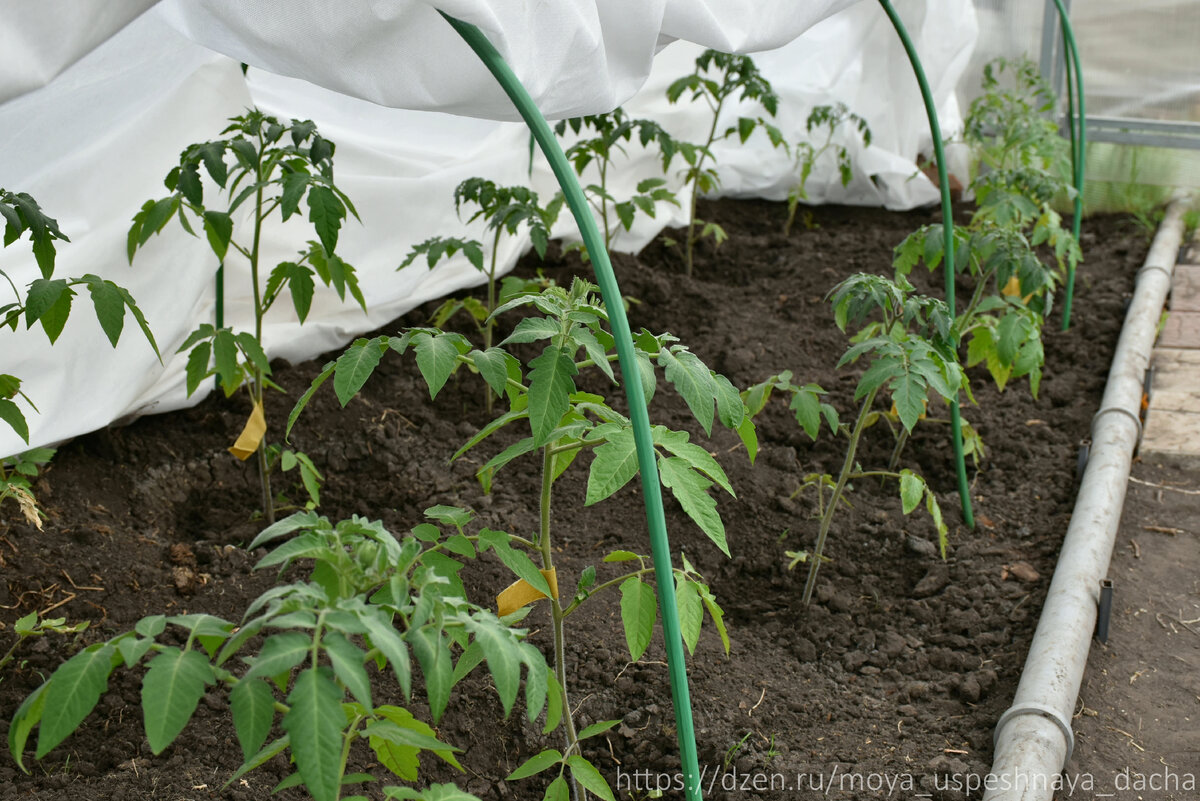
(94, 142)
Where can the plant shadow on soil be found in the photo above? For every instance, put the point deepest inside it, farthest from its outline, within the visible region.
(899, 668)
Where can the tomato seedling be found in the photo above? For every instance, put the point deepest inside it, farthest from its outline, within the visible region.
(562, 423)
(806, 156)
(369, 603)
(911, 355)
(276, 165)
(611, 130)
(47, 301)
(717, 77)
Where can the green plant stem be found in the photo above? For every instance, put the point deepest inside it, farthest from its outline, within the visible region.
(691, 237)
(603, 166)
(557, 615)
(935, 130)
(256, 391)
(901, 441)
(610, 583)
(827, 519)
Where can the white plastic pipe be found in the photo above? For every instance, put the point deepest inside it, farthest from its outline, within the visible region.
(1033, 738)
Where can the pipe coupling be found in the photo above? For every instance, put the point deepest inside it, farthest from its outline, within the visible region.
(1150, 268)
(1137, 421)
(1030, 708)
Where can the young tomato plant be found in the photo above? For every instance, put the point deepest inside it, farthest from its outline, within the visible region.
(504, 209)
(370, 602)
(611, 130)
(16, 481)
(806, 156)
(717, 77)
(561, 423)
(276, 165)
(911, 357)
(47, 301)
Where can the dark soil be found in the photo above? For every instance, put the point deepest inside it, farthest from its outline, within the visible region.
(896, 673)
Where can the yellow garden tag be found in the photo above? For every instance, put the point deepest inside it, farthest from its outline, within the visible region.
(252, 434)
(520, 593)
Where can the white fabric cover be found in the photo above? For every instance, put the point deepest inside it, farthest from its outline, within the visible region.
(91, 125)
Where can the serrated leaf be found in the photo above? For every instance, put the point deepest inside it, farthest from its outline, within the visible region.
(48, 302)
(11, 414)
(807, 407)
(433, 654)
(503, 659)
(28, 715)
(325, 212)
(693, 381)
(72, 692)
(716, 613)
(586, 774)
(516, 561)
(391, 645)
(532, 329)
(690, 488)
(551, 382)
(536, 764)
(218, 227)
(614, 464)
(294, 184)
(225, 358)
(912, 487)
(172, 688)
(314, 727)
(347, 660)
(493, 366)
(691, 612)
(437, 359)
(676, 442)
(109, 306)
(253, 706)
(354, 367)
(639, 608)
(908, 393)
(730, 409)
(279, 654)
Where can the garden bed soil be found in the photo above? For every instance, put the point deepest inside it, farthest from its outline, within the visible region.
(896, 672)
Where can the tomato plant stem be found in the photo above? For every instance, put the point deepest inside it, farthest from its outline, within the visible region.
(256, 390)
(827, 518)
(557, 615)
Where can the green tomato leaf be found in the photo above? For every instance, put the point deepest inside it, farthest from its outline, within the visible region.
(639, 608)
(11, 414)
(28, 714)
(551, 382)
(614, 464)
(172, 688)
(586, 774)
(253, 706)
(433, 654)
(690, 488)
(500, 649)
(908, 392)
(691, 611)
(72, 692)
(218, 227)
(693, 381)
(326, 211)
(109, 305)
(314, 726)
(912, 487)
(347, 660)
(536, 764)
(280, 653)
(354, 367)
(437, 359)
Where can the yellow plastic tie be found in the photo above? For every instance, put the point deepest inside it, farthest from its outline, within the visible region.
(521, 593)
(248, 441)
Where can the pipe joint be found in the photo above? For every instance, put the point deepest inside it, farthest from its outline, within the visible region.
(1151, 268)
(1137, 421)
(1031, 708)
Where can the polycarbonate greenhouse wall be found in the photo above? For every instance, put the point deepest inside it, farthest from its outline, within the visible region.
(1141, 69)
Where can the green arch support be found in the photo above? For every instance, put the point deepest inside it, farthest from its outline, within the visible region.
(639, 416)
(935, 129)
(1077, 128)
